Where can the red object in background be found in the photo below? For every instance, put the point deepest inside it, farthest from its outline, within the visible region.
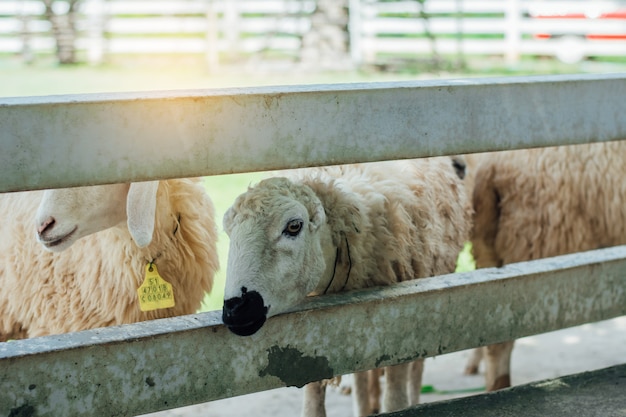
(618, 14)
(590, 21)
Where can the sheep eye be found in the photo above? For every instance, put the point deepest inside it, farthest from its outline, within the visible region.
(293, 228)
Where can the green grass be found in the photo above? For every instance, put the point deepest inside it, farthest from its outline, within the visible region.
(171, 72)
(132, 73)
(465, 261)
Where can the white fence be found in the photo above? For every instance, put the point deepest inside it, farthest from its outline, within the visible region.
(487, 27)
(377, 29)
(134, 369)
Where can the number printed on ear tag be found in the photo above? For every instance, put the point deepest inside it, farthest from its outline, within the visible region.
(155, 292)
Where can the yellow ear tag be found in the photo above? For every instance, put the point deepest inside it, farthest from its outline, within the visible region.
(155, 292)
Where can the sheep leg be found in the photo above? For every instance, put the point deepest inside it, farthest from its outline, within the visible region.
(473, 363)
(373, 389)
(360, 397)
(395, 396)
(498, 365)
(415, 381)
(314, 400)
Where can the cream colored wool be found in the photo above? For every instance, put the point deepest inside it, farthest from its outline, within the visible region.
(403, 220)
(382, 223)
(537, 203)
(94, 282)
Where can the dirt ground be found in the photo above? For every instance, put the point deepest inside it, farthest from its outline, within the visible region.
(550, 355)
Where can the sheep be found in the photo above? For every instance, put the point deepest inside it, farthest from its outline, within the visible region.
(537, 203)
(95, 243)
(342, 228)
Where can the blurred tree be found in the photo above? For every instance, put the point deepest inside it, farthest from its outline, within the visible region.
(436, 58)
(327, 43)
(62, 17)
(460, 56)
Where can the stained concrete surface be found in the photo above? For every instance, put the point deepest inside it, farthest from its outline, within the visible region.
(550, 355)
(586, 394)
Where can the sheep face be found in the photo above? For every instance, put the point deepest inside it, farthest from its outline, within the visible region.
(275, 257)
(65, 215)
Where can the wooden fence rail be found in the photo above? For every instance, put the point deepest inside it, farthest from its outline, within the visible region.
(50, 142)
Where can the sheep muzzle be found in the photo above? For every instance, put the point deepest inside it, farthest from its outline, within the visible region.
(244, 315)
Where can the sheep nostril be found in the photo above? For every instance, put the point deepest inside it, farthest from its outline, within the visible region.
(245, 308)
(232, 305)
(46, 225)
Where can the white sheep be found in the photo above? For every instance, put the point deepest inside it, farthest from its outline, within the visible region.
(537, 203)
(96, 244)
(342, 228)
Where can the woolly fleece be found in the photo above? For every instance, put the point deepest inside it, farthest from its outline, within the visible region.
(94, 282)
(537, 203)
(402, 219)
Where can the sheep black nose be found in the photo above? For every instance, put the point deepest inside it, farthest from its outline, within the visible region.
(244, 315)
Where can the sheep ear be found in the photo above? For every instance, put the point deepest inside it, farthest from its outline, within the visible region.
(319, 217)
(141, 211)
(227, 220)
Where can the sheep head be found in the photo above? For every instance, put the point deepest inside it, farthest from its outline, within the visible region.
(278, 235)
(68, 214)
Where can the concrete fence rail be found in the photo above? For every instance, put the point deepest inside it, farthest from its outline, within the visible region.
(50, 142)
